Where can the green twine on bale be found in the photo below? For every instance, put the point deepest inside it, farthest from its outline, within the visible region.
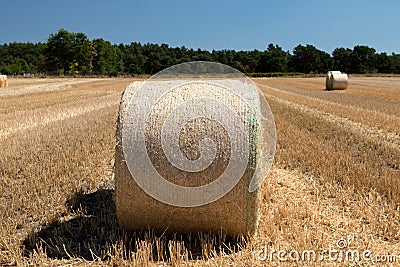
(254, 156)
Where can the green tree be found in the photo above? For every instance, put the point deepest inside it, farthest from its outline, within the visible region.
(201, 55)
(341, 59)
(106, 58)
(59, 51)
(134, 59)
(309, 59)
(274, 59)
(362, 59)
(68, 52)
(81, 49)
(21, 57)
(326, 62)
(154, 64)
(19, 66)
(382, 63)
(395, 63)
(182, 55)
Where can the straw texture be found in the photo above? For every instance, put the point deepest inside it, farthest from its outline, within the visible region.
(234, 214)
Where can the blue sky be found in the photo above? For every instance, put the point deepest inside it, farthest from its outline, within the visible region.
(217, 24)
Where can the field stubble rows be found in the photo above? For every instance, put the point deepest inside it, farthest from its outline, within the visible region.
(336, 175)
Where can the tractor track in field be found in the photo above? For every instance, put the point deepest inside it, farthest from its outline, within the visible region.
(373, 133)
(54, 117)
(38, 86)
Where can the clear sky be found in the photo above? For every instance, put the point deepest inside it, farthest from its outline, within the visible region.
(210, 24)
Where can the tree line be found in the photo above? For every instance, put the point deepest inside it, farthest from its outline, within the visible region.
(69, 53)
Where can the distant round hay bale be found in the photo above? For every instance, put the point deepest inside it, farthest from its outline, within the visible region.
(339, 81)
(3, 81)
(139, 206)
(336, 80)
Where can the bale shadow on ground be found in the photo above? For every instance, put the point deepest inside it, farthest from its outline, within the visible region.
(92, 233)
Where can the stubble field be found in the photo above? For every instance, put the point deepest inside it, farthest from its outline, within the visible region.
(336, 178)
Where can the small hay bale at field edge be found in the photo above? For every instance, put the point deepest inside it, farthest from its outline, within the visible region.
(234, 214)
(3, 81)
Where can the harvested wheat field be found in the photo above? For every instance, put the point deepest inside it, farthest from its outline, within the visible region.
(331, 199)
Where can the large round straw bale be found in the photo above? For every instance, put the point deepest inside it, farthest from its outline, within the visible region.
(236, 212)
